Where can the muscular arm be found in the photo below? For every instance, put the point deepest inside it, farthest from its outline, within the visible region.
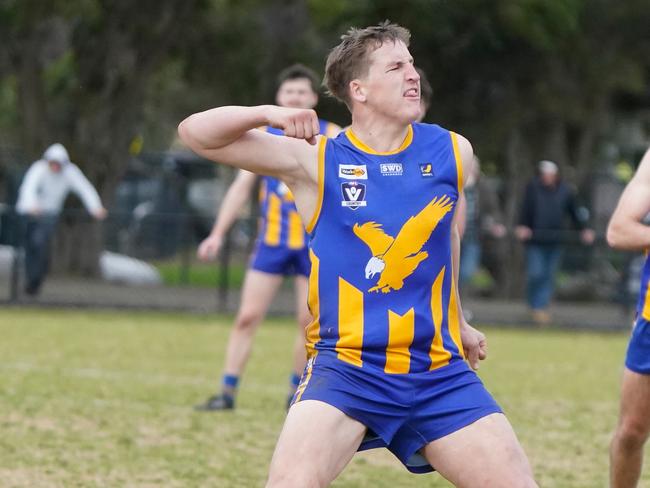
(626, 230)
(474, 342)
(455, 253)
(461, 215)
(226, 135)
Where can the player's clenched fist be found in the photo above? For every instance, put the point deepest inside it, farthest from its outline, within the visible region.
(294, 122)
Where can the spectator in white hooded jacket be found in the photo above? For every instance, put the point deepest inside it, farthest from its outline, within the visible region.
(40, 200)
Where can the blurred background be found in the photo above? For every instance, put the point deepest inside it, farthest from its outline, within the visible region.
(100, 370)
(523, 80)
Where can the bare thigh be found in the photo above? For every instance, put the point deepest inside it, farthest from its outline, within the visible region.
(316, 443)
(258, 291)
(483, 454)
(635, 402)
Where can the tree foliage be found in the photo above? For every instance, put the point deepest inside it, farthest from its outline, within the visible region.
(523, 79)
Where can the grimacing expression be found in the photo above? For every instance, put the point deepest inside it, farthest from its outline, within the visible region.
(392, 85)
(296, 93)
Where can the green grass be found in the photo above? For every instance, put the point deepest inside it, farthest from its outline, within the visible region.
(204, 275)
(103, 399)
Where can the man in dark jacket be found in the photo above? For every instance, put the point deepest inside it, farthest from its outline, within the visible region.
(547, 203)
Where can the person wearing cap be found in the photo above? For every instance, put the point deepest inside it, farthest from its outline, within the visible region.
(548, 201)
(40, 199)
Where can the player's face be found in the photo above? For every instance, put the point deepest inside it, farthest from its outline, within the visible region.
(392, 85)
(296, 93)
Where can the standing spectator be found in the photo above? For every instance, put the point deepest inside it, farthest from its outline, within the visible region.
(547, 203)
(480, 217)
(40, 200)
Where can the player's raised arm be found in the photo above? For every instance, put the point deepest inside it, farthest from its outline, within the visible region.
(626, 229)
(227, 135)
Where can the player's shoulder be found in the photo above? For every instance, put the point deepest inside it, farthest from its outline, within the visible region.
(429, 130)
(433, 132)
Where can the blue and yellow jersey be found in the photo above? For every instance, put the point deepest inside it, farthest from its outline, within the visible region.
(280, 224)
(381, 289)
(643, 305)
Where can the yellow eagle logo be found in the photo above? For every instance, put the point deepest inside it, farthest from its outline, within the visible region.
(397, 258)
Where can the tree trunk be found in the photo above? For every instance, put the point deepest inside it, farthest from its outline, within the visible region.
(517, 175)
(31, 98)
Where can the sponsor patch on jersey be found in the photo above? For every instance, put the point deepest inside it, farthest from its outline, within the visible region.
(426, 169)
(353, 171)
(354, 195)
(391, 169)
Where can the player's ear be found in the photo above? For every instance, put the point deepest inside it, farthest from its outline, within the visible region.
(357, 91)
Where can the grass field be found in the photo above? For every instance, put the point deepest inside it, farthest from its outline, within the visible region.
(104, 399)
(206, 275)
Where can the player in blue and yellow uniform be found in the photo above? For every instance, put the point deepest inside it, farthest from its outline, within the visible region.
(629, 231)
(280, 249)
(388, 347)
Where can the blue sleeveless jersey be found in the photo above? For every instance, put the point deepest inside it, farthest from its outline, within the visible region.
(382, 291)
(280, 224)
(643, 305)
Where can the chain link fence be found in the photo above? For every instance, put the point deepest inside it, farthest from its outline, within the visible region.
(148, 260)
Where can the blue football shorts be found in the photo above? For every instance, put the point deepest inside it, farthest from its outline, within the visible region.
(280, 260)
(403, 412)
(637, 358)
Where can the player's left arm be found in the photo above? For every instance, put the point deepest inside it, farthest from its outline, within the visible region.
(626, 229)
(474, 341)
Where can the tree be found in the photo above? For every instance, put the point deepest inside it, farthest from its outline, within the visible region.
(82, 68)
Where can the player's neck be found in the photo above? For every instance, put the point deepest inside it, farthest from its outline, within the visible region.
(380, 134)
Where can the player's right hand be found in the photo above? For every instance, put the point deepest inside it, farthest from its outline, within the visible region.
(474, 344)
(294, 122)
(209, 248)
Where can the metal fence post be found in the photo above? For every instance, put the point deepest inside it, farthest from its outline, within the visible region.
(184, 277)
(224, 275)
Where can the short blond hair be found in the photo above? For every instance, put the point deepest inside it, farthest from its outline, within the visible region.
(350, 59)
